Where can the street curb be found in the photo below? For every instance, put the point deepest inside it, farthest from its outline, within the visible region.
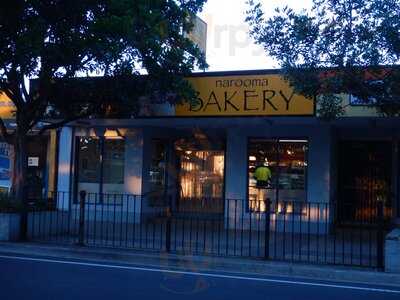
(204, 263)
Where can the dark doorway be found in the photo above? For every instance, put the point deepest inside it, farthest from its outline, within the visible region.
(364, 178)
(37, 167)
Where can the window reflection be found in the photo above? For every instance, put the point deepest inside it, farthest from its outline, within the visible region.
(113, 166)
(89, 164)
(202, 174)
(100, 166)
(201, 164)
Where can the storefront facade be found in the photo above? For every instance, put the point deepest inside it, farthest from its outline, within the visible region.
(203, 154)
(248, 170)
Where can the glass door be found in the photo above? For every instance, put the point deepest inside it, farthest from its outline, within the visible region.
(200, 180)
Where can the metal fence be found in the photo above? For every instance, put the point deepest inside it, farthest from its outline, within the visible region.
(285, 231)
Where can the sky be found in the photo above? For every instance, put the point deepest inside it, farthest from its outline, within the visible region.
(229, 46)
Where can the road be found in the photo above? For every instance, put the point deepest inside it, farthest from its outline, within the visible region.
(24, 277)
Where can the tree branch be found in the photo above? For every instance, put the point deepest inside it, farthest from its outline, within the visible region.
(25, 91)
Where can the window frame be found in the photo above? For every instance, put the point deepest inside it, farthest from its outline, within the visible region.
(276, 142)
(102, 140)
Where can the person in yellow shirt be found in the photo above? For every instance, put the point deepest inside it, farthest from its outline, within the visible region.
(263, 175)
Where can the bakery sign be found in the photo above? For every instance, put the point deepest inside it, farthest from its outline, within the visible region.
(248, 95)
(7, 107)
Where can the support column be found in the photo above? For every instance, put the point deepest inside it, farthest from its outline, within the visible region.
(65, 164)
(235, 177)
(133, 180)
(236, 165)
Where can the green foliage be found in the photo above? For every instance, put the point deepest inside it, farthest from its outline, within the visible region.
(54, 40)
(340, 46)
(329, 106)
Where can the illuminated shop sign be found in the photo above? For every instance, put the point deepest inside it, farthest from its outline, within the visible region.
(266, 95)
(7, 107)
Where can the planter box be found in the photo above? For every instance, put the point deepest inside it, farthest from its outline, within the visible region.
(9, 226)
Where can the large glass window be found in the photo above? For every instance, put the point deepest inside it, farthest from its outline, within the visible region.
(201, 175)
(89, 159)
(100, 165)
(277, 172)
(113, 166)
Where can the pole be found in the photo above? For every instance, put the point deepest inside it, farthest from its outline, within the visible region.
(24, 216)
(380, 235)
(266, 232)
(81, 232)
(168, 226)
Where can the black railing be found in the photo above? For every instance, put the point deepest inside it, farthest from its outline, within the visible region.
(286, 231)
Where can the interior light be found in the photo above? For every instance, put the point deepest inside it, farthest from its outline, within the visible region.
(112, 134)
(92, 133)
(252, 158)
(293, 141)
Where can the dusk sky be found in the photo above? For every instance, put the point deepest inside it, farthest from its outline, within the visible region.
(229, 46)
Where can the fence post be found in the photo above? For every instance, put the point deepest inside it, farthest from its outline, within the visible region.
(81, 232)
(380, 240)
(168, 226)
(267, 222)
(23, 234)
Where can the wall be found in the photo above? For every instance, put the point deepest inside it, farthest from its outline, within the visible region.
(134, 161)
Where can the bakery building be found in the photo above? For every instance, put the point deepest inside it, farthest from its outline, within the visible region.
(203, 154)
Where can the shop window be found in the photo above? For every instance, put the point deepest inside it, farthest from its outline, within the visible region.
(277, 172)
(201, 175)
(100, 166)
(89, 164)
(113, 162)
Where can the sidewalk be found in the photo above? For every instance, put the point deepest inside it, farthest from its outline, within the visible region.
(201, 263)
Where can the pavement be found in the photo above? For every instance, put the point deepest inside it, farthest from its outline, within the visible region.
(164, 261)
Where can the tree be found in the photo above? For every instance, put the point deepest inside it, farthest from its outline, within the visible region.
(340, 46)
(54, 41)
